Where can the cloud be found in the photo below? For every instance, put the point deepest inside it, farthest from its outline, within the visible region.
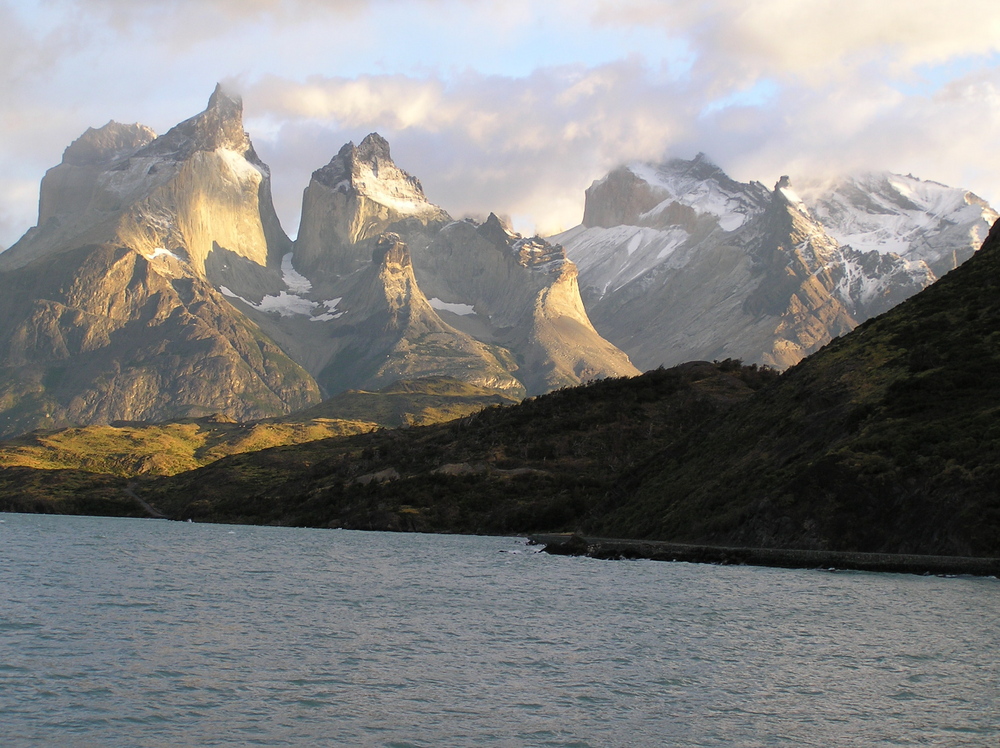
(479, 143)
(815, 39)
(517, 107)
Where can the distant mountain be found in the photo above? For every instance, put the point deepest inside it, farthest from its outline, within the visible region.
(918, 220)
(679, 262)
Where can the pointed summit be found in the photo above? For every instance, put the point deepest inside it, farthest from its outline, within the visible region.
(360, 194)
(219, 126)
(368, 170)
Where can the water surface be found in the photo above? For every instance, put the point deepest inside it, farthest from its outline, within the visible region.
(118, 632)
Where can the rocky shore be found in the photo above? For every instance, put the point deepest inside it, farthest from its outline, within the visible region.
(610, 548)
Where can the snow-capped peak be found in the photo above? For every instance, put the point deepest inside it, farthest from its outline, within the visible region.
(917, 219)
(368, 170)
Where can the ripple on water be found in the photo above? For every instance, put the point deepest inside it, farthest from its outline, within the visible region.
(143, 633)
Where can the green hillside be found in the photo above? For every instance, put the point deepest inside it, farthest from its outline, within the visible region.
(132, 449)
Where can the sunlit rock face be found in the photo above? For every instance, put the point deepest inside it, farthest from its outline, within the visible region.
(196, 188)
(679, 262)
(360, 194)
(517, 299)
(109, 314)
(158, 283)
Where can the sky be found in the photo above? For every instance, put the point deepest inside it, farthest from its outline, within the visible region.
(516, 107)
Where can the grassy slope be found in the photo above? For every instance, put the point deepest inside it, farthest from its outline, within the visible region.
(177, 446)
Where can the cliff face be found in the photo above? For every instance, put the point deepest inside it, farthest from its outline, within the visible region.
(109, 314)
(390, 332)
(360, 194)
(101, 334)
(512, 302)
(199, 187)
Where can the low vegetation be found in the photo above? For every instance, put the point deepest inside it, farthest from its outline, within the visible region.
(887, 440)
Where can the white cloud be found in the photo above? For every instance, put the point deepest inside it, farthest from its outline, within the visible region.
(816, 39)
(516, 107)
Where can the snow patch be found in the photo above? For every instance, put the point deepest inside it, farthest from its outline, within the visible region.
(161, 252)
(455, 308)
(331, 311)
(294, 281)
(239, 167)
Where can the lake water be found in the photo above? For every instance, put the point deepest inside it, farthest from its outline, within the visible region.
(119, 632)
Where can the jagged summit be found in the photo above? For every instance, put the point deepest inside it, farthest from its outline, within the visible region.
(919, 220)
(219, 126)
(358, 195)
(105, 145)
(495, 230)
(368, 170)
(351, 161)
(391, 250)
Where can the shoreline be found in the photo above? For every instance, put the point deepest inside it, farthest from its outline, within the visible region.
(566, 544)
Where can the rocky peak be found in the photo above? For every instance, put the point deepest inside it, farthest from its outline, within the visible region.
(219, 126)
(676, 192)
(368, 170)
(391, 250)
(104, 146)
(494, 230)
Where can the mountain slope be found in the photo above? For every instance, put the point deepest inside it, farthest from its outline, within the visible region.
(522, 294)
(883, 441)
(678, 261)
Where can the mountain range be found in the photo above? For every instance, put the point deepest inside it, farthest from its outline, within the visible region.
(159, 284)
(884, 441)
(679, 262)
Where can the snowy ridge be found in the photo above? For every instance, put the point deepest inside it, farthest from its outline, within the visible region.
(392, 188)
(682, 185)
(916, 219)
